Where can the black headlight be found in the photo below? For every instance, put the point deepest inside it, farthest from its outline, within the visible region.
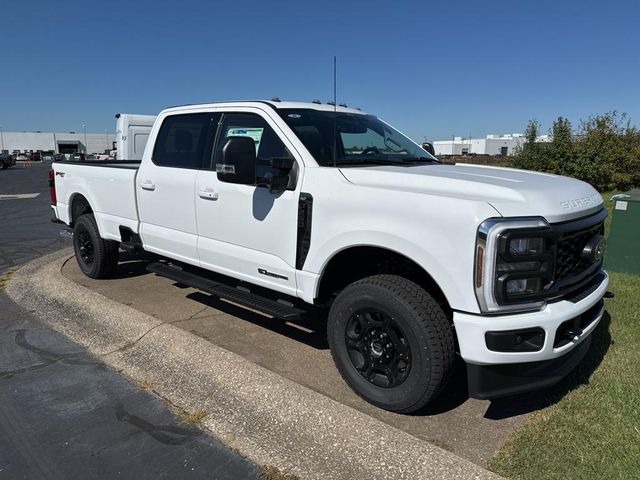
(514, 264)
(524, 266)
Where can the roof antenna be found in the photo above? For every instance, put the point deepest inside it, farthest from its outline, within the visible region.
(335, 124)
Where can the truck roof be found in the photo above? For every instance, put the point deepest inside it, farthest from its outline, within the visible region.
(275, 104)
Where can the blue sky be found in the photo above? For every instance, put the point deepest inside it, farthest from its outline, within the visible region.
(432, 69)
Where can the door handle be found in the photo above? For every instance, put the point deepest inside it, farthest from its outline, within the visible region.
(208, 194)
(148, 185)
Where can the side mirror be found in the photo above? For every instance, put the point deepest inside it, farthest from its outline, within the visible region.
(238, 161)
(429, 148)
(281, 180)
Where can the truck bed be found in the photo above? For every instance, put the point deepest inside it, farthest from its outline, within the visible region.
(109, 186)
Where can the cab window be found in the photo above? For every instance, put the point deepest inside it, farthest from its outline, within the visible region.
(182, 140)
(268, 144)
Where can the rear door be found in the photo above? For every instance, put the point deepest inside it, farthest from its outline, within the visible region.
(246, 231)
(165, 184)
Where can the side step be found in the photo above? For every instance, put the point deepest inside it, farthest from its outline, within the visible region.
(235, 295)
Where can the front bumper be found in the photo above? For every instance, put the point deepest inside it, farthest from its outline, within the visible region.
(471, 329)
(495, 381)
(493, 374)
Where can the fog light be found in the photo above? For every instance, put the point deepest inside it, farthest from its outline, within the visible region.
(526, 340)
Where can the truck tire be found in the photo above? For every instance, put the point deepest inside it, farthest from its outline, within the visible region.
(97, 258)
(391, 342)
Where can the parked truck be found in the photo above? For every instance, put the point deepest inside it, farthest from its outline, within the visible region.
(279, 206)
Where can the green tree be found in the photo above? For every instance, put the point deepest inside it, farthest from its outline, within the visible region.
(560, 152)
(605, 152)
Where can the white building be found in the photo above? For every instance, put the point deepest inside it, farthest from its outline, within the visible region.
(490, 145)
(72, 142)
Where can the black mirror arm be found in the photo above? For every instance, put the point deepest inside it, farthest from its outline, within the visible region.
(283, 163)
(276, 183)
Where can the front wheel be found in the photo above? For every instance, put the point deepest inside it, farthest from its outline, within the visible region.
(97, 258)
(391, 342)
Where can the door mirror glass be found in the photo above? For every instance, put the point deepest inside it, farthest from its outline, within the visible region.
(238, 161)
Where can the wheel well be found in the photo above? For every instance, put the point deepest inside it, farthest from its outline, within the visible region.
(356, 263)
(79, 206)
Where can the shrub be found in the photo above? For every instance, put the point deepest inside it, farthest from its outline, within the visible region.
(604, 152)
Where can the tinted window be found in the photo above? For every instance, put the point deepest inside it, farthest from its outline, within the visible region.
(361, 139)
(182, 140)
(268, 144)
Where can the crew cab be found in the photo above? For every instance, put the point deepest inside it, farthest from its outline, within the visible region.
(280, 205)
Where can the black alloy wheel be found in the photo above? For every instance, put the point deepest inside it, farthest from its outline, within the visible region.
(378, 348)
(85, 246)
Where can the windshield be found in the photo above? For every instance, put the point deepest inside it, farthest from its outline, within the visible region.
(361, 139)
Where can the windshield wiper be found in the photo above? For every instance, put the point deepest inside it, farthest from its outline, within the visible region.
(404, 162)
(370, 161)
(420, 160)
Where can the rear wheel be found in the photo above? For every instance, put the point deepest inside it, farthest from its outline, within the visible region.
(391, 342)
(97, 258)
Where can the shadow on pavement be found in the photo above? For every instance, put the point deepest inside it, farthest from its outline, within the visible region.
(132, 264)
(311, 330)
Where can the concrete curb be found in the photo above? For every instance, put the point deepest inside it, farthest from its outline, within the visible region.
(261, 414)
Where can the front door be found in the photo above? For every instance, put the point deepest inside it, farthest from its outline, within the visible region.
(246, 231)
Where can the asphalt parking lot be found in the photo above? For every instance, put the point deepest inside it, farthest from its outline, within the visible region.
(298, 351)
(63, 413)
(26, 231)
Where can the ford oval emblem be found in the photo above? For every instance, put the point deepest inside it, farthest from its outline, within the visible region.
(594, 249)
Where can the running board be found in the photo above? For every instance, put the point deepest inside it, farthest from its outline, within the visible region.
(235, 295)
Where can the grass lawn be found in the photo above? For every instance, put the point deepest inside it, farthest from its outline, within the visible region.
(588, 427)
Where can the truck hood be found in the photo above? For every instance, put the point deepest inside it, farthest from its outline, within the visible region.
(512, 192)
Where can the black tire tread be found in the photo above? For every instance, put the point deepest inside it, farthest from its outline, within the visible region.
(106, 251)
(434, 324)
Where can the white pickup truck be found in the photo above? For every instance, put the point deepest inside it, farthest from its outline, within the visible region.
(274, 205)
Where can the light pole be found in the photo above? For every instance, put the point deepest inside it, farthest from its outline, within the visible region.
(106, 141)
(1, 140)
(84, 129)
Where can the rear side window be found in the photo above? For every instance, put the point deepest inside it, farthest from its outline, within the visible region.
(183, 141)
